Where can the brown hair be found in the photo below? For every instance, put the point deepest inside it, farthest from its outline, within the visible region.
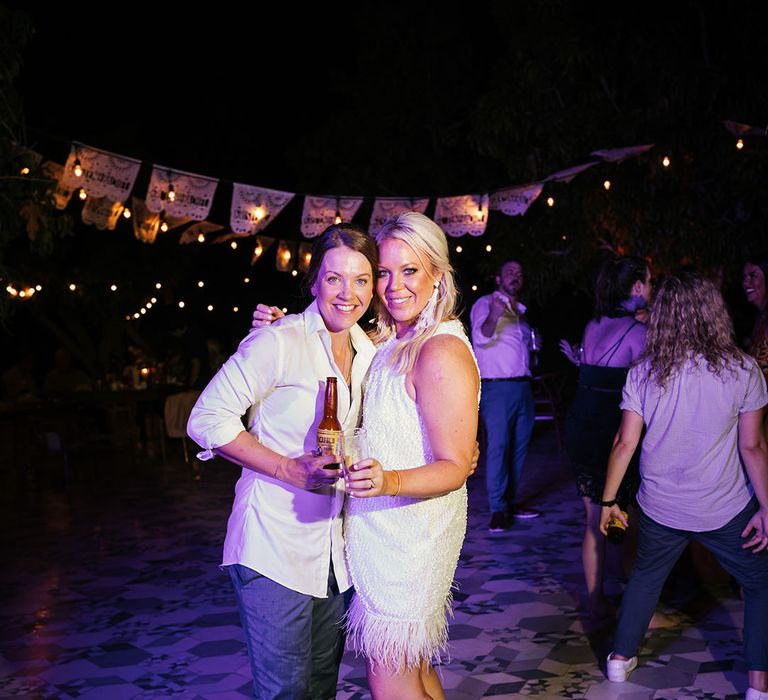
(689, 321)
(344, 235)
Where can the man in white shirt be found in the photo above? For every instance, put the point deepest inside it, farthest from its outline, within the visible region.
(501, 338)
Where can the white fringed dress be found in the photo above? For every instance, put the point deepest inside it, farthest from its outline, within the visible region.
(402, 552)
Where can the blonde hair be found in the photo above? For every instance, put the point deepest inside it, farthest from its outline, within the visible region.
(689, 321)
(430, 245)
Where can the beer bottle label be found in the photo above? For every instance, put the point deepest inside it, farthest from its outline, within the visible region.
(329, 442)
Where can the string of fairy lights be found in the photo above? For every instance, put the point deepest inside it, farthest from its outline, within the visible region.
(287, 259)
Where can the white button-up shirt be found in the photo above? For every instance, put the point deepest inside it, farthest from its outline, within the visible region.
(278, 377)
(507, 352)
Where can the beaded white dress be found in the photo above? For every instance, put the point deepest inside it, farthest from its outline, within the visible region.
(401, 552)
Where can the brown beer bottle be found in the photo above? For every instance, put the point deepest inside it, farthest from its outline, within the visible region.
(329, 429)
(616, 529)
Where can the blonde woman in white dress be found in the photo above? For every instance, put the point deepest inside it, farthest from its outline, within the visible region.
(406, 518)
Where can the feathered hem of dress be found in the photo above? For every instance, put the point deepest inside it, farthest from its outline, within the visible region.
(395, 643)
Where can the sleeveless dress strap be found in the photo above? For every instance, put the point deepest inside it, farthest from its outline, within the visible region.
(612, 350)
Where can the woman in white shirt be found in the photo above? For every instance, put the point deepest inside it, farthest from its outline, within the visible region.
(284, 547)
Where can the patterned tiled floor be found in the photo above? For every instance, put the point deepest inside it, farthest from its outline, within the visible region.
(110, 589)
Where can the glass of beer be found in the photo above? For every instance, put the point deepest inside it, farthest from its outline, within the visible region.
(354, 447)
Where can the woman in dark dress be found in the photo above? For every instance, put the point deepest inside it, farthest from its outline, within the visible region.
(612, 341)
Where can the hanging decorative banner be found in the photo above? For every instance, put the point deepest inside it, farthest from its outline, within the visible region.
(62, 193)
(320, 212)
(284, 257)
(460, 215)
(254, 208)
(145, 223)
(569, 173)
(102, 174)
(199, 232)
(261, 246)
(738, 129)
(305, 256)
(514, 201)
(101, 212)
(180, 194)
(384, 209)
(616, 155)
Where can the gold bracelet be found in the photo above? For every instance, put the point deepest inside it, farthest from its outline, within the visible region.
(399, 482)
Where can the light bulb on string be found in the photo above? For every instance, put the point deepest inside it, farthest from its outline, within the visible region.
(474, 287)
(235, 309)
(72, 287)
(246, 280)
(171, 193)
(479, 215)
(337, 219)
(550, 201)
(148, 306)
(201, 238)
(163, 223)
(126, 213)
(665, 161)
(78, 169)
(137, 315)
(285, 310)
(128, 317)
(39, 288)
(158, 285)
(740, 144)
(233, 245)
(11, 290)
(22, 294)
(153, 300)
(607, 184)
(25, 171)
(113, 287)
(181, 304)
(201, 284)
(488, 248)
(210, 307)
(83, 194)
(294, 273)
(459, 249)
(259, 213)
(142, 311)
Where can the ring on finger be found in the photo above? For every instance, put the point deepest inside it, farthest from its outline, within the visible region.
(373, 483)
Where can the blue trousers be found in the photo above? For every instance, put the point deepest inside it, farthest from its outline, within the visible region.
(506, 409)
(658, 550)
(295, 642)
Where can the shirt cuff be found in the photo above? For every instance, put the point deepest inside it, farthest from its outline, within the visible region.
(216, 438)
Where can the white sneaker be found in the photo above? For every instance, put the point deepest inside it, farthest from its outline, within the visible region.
(619, 670)
(753, 694)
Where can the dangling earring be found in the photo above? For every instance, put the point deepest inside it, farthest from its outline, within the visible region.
(427, 315)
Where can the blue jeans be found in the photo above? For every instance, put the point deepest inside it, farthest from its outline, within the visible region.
(506, 409)
(658, 550)
(295, 642)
